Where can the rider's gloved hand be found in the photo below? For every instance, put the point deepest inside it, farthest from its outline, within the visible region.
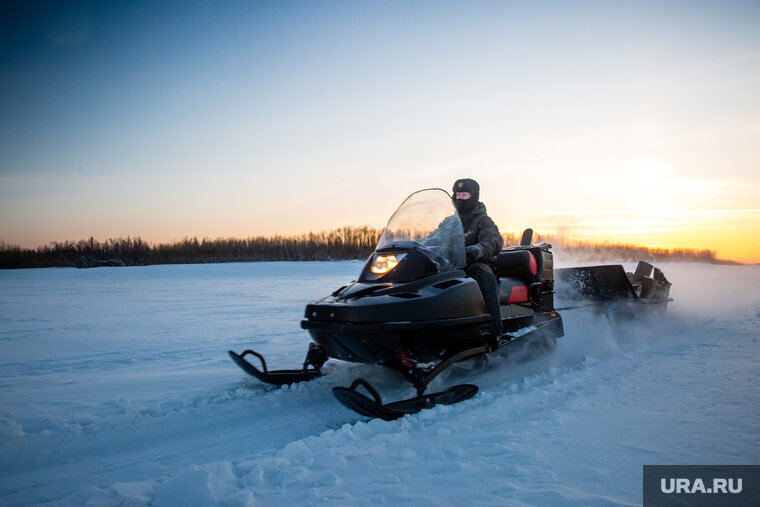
(473, 253)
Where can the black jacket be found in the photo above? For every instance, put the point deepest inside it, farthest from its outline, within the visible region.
(480, 230)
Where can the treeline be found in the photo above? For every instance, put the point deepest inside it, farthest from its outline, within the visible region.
(340, 244)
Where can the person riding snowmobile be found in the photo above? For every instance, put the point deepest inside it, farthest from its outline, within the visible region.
(482, 243)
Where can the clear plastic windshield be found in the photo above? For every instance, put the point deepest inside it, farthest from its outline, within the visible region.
(429, 219)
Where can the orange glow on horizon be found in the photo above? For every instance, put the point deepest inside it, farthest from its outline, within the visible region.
(732, 234)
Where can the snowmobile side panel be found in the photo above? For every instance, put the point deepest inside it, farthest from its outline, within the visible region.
(377, 342)
(430, 299)
(534, 328)
(398, 326)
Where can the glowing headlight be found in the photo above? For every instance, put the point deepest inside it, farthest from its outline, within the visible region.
(384, 263)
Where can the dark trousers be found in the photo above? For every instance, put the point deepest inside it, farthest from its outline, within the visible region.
(483, 274)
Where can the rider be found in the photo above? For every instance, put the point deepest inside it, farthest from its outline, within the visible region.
(482, 243)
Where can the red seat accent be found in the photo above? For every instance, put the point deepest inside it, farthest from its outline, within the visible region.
(519, 294)
(512, 290)
(533, 264)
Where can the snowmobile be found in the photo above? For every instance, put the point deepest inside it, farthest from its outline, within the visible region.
(414, 310)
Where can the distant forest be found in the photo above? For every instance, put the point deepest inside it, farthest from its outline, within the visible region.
(341, 244)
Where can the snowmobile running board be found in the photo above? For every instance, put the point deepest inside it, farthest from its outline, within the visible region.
(625, 301)
(374, 407)
(275, 377)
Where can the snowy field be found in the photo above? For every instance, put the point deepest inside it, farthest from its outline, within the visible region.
(116, 389)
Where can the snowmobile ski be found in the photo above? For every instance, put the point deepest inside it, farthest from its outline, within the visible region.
(373, 407)
(282, 377)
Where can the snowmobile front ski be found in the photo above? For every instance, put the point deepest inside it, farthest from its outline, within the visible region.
(374, 407)
(420, 378)
(315, 357)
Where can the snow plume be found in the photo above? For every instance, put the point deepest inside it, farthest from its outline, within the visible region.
(601, 335)
(708, 292)
(703, 294)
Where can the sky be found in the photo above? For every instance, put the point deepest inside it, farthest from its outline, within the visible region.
(633, 122)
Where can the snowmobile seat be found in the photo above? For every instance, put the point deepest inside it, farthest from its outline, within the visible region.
(512, 290)
(519, 264)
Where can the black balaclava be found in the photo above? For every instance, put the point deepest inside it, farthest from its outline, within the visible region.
(466, 185)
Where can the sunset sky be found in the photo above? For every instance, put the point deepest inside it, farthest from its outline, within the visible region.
(634, 122)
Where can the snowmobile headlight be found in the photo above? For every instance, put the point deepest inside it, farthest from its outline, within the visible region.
(384, 263)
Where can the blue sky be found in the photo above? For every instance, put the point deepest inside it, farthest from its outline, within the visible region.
(632, 121)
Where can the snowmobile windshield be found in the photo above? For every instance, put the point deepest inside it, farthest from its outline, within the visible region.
(428, 220)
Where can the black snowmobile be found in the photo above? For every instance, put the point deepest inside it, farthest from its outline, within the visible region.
(414, 310)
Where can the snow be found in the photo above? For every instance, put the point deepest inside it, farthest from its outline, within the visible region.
(116, 389)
